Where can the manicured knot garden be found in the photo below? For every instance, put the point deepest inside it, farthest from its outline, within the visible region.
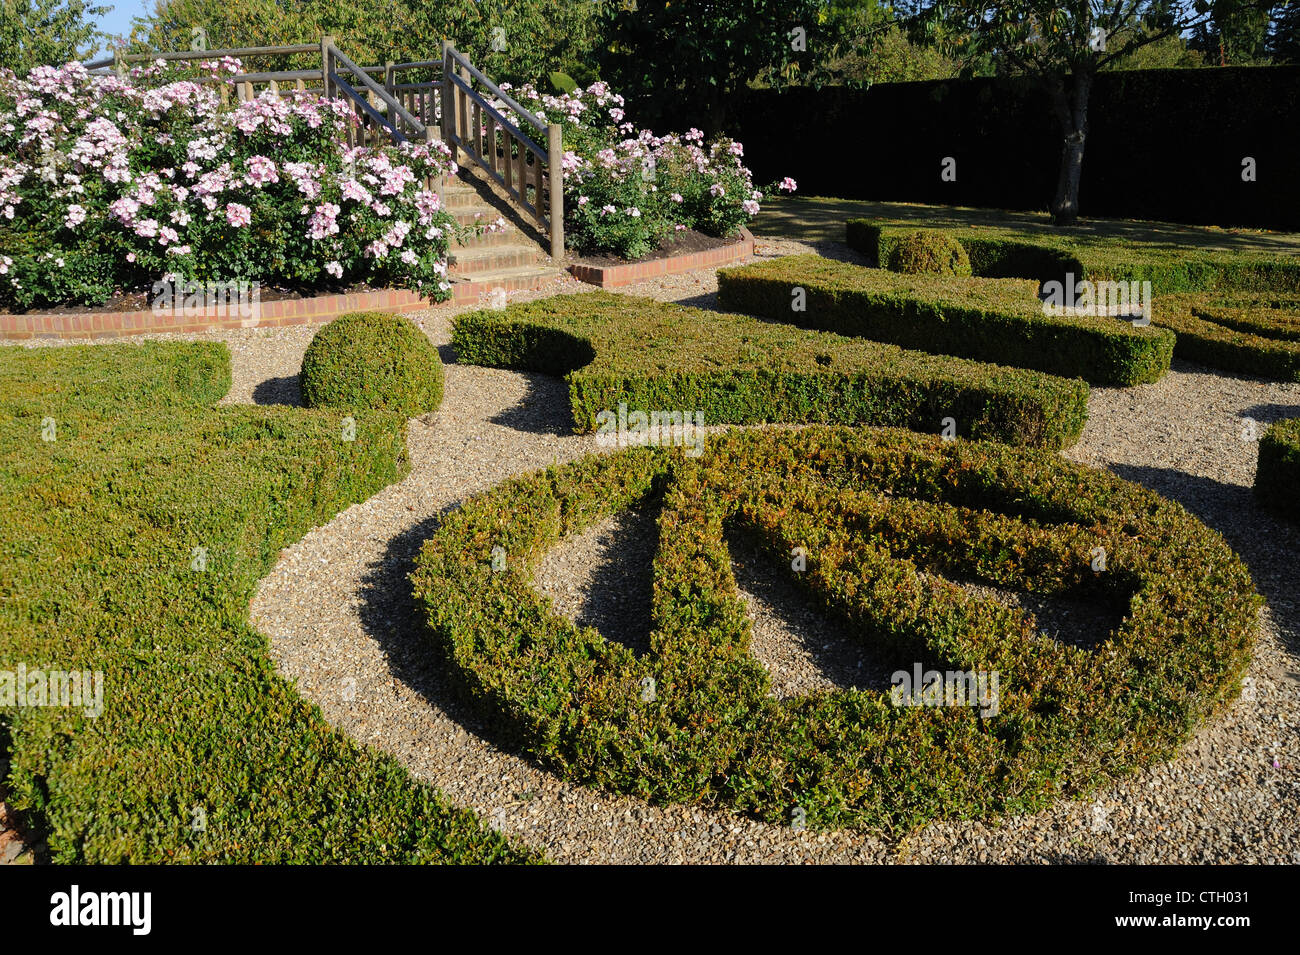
(1231, 310)
(887, 519)
(735, 369)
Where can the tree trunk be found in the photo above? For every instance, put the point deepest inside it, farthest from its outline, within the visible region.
(1072, 112)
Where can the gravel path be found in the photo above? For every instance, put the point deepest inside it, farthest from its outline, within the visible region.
(338, 613)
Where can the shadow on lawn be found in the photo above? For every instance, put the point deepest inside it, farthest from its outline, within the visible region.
(810, 219)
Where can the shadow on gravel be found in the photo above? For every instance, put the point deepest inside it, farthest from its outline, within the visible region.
(1271, 413)
(391, 616)
(617, 598)
(544, 408)
(1267, 542)
(278, 391)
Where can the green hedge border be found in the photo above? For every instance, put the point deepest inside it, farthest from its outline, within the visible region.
(1235, 332)
(982, 319)
(711, 734)
(1277, 478)
(97, 535)
(736, 369)
(1009, 253)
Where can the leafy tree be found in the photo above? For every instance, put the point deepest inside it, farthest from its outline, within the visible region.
(46, 32)
(661, 51)
(1284, 37)
(515, 41)
(1236, 34)
(1063, 44)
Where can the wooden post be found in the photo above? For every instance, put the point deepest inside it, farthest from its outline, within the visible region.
(118, 66)
(555, 172)
(447, 123)
(327, 88)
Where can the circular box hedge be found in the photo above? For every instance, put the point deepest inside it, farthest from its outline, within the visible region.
(372, 360)
(882, 516)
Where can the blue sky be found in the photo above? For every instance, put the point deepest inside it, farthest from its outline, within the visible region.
(118, 20)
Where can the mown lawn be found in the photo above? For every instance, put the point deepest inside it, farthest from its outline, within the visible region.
(131, 544)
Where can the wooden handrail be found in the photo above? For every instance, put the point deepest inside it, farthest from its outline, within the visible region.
(496, 90)
(467, 114)
(387, 98)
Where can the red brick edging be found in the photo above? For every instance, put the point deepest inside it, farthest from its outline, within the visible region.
(290, 311)
(613, 276)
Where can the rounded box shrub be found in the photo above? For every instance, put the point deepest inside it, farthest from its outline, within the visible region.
(928, 251)
(372, 360)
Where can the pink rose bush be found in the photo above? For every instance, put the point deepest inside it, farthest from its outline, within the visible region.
(109, 184)
(626, 190)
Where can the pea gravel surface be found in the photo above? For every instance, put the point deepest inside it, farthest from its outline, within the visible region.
(338, 612)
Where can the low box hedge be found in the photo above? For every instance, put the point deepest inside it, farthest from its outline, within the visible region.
(372, 360)
(994, 320)
(882, 516)
(999, 252)
(735, 369)
(1256, 335)
(1277, 479)
(135, 522)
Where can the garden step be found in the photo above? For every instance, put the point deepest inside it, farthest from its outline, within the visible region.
(461, 198)
(507, 236)
(477, 289)
(466, 261)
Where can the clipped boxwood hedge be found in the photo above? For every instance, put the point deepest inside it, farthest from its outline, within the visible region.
(927, 251)
(871, 508)
(995, 320)
(372, 360)
(1277, 479)
(738, 370)
(132, 543)
(1255, 335)
(1000, 252)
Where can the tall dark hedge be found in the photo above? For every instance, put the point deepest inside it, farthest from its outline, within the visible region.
(1163, 144)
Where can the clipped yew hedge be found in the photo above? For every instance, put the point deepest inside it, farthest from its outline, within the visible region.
(1001, 252)
(1277, 479)
(1255, 335)
(994, 320)
(738, 370)
(372, 360)
(873, 509)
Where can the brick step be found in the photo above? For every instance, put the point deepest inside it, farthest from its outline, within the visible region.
(461, 198)
(492, 258)
(482, 214)
(508, 236)
(478, 289)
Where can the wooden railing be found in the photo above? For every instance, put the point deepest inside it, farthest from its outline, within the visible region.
(473, 120)
(450, 96)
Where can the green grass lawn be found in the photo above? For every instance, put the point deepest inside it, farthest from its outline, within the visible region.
(131, 544)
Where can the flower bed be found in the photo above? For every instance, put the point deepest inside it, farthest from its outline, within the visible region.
(880, 516)
(626, 190)
(110, 184)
